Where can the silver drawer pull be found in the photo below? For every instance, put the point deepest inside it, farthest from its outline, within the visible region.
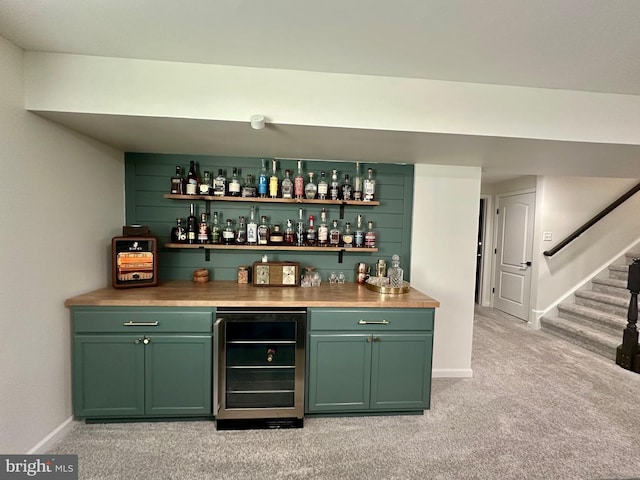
(365, 322)
(140, 324)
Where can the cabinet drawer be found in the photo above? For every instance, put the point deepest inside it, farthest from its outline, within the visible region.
(389, 319)
(148, 320)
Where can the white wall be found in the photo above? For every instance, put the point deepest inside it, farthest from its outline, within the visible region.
(61, 202)
(443, 258)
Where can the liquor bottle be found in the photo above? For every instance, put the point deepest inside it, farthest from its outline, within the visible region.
(310, 189)
(347, 236)
(203, 229)
(395, 272)
(347, 189)
(357, 184)
(192, 179)
(215, 229)
(358, 236)
(289, 234)
(241, 232)
(220, 184)
(262, 180)
(311, 233)
(235, 186)
(334, 235)
(178, 233)
(300, 230)
(264, 231)
(334, 188)
(323, 230)
(252, 227)
(192, 225)
(228, 235)
(323, 187)
(369, 186)
(370, 236)
(287, 185)
(205, 184)
(249, 188)
(178, 182)
(276, 237)
(298, 182)
(273, 181)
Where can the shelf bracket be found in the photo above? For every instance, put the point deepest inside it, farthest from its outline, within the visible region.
(342, 215)
(340, 252)
(207, 255)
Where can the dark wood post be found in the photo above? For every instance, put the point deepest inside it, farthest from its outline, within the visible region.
(628, 354)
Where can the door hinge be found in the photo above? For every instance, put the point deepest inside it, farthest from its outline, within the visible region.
(493, 290)
(497, 211)
(495, 251)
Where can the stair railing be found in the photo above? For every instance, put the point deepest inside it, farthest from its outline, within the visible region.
(606, 211)
(628, 353)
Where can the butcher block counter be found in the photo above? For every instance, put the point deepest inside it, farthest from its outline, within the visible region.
(232, 294)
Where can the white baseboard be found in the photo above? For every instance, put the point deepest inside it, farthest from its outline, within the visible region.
(47, 442)
(452, 373)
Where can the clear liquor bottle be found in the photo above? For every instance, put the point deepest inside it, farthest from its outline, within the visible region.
(369, 186)
(310, 189)
(298, 182)
(206, 183)
(228, 234)
(347, 236)
(252, 227)
(203, 229)
(395, 273)
(323, 230)
(323, 186)
(274, 181)
(220, 184)
(334, 188)
(263, 231)
(249, 188)
(192, 179)
(311, 233)
(287, 185)
(300, 230)
(241, 232)
(358, 236)
(370, 236)
(334, 235)
(235, 186)
(347, 188)
(357, 184)
(262, 180)
(178, 182)
(215, 229)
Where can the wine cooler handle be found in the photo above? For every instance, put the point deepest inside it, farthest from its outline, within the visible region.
(140, 324)
(365, 322)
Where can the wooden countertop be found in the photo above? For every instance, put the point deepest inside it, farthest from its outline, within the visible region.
(231, 294)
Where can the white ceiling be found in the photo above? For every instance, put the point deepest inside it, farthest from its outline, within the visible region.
(589, 45)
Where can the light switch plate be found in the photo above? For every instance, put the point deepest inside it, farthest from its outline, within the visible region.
(547, 236)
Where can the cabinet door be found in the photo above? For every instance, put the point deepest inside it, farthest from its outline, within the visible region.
(108, 376)
(401, 371)
(339, 372)
(178, 375)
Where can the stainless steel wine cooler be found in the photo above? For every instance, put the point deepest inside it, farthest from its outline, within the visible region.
(260, 363)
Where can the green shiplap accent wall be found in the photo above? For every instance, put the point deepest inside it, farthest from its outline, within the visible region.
(147, 179)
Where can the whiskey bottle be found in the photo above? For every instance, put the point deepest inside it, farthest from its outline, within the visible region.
(287, 185)
(323, 187)
(370, 236)
(273, 181)
(357, 184)
(347, 236)
(228, 235)
(289, 234)
(358, 236)
(220, 184)
(192, 225)
(347, 189)
(323, 230)
(252, 227)
(300, 230)
(215, 229)
(234, 184)
(192, 179)
(369, 186)
(203, 229)
(334, 188)
(262, 180)
(334, 235)
(249, 188)
(178, 233)
(311, 233)
(310, 189)
(241, 232)
(264, 231)
(205, 184)
(298, 182)
(276, 237)
(178, 182)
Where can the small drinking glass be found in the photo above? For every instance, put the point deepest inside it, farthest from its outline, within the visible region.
(333, 278)
(341, 278)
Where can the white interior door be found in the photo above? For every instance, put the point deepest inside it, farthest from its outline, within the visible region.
(514, 247)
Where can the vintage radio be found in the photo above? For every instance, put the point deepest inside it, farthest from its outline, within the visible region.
(134, 262)
(276, 274)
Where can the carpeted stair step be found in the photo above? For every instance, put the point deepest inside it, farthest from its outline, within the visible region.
(611, 286)
(582, 334)
(619, 271)
(605, 322)
(603, 302)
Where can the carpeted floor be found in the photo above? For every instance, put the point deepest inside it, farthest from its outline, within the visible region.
(536, 408)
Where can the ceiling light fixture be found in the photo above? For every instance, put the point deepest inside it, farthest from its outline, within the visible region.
(257, 122)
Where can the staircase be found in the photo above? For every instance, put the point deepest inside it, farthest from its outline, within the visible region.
(597, 314)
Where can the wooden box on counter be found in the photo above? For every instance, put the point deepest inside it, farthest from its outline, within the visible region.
(276, 274)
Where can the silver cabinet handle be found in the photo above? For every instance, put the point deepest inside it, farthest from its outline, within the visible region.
(365, 322)
(140, 324)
